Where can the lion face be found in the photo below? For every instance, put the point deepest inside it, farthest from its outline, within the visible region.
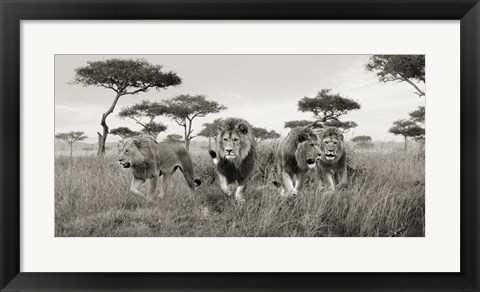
(231, 145)
(234, 140)
(308, 150)
(128, 153)
(331, 144)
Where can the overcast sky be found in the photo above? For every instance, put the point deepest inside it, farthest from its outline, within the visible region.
(263, 89)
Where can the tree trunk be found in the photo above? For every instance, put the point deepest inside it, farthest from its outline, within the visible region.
(187, 144)
(405, 145)
(100, 150)
(103, 137)
(209, 142)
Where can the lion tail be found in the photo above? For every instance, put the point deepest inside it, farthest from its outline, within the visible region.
(187, 168)
(213, 155)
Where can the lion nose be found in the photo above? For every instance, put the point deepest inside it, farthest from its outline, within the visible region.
(228, 150)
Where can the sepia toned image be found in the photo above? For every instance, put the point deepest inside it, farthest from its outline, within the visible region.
(240, 145)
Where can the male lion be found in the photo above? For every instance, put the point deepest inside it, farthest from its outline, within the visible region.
(151, 160)
(295, 155)
(332, 169)
(236, 149)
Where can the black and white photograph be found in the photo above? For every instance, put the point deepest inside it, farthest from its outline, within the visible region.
(240, 145)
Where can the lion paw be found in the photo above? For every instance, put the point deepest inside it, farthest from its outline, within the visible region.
(240, 200)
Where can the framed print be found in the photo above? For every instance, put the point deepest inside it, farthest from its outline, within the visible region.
(232, 145)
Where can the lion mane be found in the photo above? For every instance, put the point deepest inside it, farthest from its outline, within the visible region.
(332, 169)
(295, 155)
(236, 149)
(149, 159)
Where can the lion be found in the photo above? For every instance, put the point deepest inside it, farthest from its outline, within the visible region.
(236, 149)
(295, 155)
(149, 159)
(332, 169)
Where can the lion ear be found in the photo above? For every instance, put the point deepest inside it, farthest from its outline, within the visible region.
(303, 137)
(136, 142)
(243, 128)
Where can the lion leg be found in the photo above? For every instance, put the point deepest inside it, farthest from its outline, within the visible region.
(342, 177)
(240, 192)
(134, 187)
(288, 187)
(300, 179)
(222, 181)
(330, 185)
(153, 186)
(163, 186)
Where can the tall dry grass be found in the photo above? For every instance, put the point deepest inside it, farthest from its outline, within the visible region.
(385, 197)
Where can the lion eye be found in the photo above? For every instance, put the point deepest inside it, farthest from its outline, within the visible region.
(225, 139)
(126, 151)
(235, 140)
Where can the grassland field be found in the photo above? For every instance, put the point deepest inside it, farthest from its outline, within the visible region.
(385, 197)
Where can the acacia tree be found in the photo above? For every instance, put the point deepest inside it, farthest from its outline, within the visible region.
(173, 138)
(403, 68)
(406, 128)
(148, 110)
(70, 138)
(210, 131)
(326, 107)
(123, 132)
(347, 125)
(123, 77)
(418, 116)
(183, 109)
(261, 134)
(299, 123)
(363, 141)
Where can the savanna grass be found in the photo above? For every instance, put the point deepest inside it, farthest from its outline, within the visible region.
(385, 197)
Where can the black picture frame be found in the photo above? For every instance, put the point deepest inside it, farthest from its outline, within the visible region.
(13, 11)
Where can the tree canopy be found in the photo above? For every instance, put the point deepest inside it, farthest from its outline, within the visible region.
(327, 105)
(123, 76)
(299, 123)
(123, 132)
(173, 138)
(183, 109)
(263, 134)
(418, 115)
(362, 139)
(148, 110)
(347, 125)
(330, 123)
(393, 68)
